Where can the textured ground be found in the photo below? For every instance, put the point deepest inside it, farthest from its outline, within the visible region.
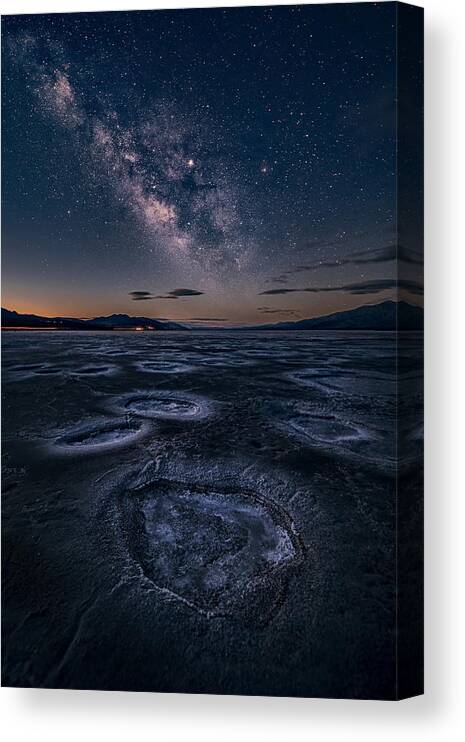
(203, 512)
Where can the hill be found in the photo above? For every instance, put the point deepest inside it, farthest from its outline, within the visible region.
(387, 316)
(13, 320)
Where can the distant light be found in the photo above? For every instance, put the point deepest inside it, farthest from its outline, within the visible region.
(190, 163)
(139, 329)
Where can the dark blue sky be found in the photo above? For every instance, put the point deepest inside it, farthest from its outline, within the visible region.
(246, 156)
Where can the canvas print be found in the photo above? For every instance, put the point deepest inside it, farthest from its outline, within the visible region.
(212, 319)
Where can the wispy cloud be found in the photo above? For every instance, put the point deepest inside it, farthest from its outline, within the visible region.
(375, 256)
(206, 319)
(283, 278)
(179, 293)
(362, 287)
(141, 295)
(185, 292)
(287, 312)
(175, 294)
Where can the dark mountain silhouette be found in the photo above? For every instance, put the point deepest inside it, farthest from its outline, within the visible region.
(388, 315)
(125, 321)
(113, 322)
(13, 319)
(384, 316)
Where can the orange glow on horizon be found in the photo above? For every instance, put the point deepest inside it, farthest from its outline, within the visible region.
(235, 313)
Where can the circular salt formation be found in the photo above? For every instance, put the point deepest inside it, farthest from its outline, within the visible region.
(346, 383)
(338, 437)
(165, 405)
(207, 548)
(99, 436)
(162, 407)
(326, 428)
(95, 370)
(163, 367)
(224, 361)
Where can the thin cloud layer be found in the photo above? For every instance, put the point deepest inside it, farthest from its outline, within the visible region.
(175, 294)
(141, 295)
(179, 293)
(384, 254)
(287, 312)
(360, 288)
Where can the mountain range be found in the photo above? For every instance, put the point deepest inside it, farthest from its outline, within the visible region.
(112, 322)
(386, 316)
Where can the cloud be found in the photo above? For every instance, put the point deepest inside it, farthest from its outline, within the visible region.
(141, 295)
(374, 287)
(178, 293)
(377, 255)
(206, 319)
(288, 312)
(359, 288)
(185, 292)
(410, 256)
(283, 278)
(385, 255)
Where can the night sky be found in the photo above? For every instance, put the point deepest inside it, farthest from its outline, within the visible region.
(214, 166)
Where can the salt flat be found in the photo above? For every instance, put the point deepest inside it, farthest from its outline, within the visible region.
(206, 512)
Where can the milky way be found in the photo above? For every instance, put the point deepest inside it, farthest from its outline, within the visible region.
(226, 151)
(189, 207)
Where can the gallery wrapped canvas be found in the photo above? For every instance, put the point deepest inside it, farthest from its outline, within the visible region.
(213, 350)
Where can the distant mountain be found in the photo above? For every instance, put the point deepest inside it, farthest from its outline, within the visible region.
(13, 319)
(113, 322)
(124, 321)
(369, 317)
(384, 316)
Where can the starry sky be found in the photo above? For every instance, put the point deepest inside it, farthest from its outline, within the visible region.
(216, 166)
